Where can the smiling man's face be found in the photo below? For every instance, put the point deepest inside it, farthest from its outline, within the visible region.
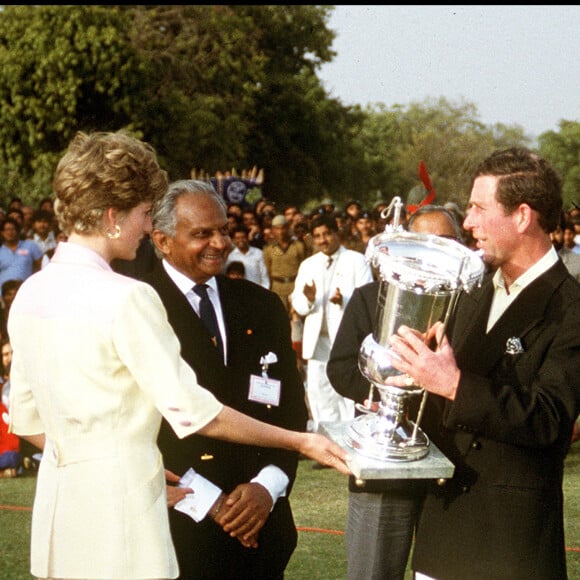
(201, 243)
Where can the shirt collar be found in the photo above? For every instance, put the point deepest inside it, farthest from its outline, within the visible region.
(71, 252)
(541, 266)
(183, 282)
(333, 256)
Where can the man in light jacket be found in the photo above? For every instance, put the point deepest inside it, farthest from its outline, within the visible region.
(324, 285)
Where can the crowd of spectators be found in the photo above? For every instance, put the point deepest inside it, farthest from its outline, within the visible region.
(269, 241)
(28, 238)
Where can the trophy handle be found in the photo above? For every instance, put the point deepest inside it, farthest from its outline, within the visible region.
(367, 409)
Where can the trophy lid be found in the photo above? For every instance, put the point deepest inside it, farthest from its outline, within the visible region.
(424, 263)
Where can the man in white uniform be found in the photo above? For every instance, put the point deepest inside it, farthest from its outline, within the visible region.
(324, 285)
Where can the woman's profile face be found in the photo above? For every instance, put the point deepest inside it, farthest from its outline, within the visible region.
(134, 226)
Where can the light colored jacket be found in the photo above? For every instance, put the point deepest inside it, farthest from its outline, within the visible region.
(95, 366)
(350, 272)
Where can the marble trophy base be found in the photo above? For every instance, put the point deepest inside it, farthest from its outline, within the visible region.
(433, 466)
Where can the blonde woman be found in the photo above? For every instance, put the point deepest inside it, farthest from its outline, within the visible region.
(95, 367)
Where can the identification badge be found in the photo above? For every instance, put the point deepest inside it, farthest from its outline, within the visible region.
(264, 390)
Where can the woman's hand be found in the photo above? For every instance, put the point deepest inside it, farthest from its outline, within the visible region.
(325, 452)
(175, 494)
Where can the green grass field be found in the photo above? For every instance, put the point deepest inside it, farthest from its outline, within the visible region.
(319, 501)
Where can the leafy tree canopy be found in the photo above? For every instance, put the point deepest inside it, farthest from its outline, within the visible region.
(562, 150)
(216, 87)
(61, 69)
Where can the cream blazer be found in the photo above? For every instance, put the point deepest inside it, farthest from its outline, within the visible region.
(350, 271)
(95, 366)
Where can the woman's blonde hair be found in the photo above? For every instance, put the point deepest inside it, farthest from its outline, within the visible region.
(102, 170)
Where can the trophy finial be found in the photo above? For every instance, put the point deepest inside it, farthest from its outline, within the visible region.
(395, 206)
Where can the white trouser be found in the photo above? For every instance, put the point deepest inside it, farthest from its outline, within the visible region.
(325, 403)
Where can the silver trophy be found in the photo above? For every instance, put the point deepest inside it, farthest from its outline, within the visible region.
(421, 276)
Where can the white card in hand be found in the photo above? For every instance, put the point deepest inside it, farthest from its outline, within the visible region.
(205, 493)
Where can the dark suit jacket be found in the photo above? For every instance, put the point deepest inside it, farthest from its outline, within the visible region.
(256, 323)
(344, 375)
(507, 432)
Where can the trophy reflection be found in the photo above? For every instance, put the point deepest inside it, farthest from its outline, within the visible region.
(421, 276)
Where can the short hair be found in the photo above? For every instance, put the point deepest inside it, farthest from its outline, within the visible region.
(9, 285)
(41, 215)
(432, 208)
(348, 204)
(364, 215)
(11, 220)
(102, 170)
(324, 219)
(241, 228)
(164, 215)
(46, 200)
(524, 177)
(237, 267)
(15, 210)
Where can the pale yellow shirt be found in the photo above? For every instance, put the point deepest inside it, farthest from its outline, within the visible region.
(502, 300)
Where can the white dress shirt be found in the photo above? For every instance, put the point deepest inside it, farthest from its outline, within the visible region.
(501, 299)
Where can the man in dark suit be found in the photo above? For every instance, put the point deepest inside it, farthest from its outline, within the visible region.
(248, 531)
(504, 388)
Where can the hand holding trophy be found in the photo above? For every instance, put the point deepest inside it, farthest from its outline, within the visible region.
(421, 276)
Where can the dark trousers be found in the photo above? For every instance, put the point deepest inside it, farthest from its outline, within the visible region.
(379, 534)
(206, 552)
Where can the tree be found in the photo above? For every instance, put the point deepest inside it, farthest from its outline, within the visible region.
(62, 69)
(301, 136)
(451, 141)
(204, 71)
(216, 87)
(446, 136)
(562, 150)
(378, 138)
(211, 87)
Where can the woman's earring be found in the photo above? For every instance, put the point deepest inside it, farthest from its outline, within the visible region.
(115, 234)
